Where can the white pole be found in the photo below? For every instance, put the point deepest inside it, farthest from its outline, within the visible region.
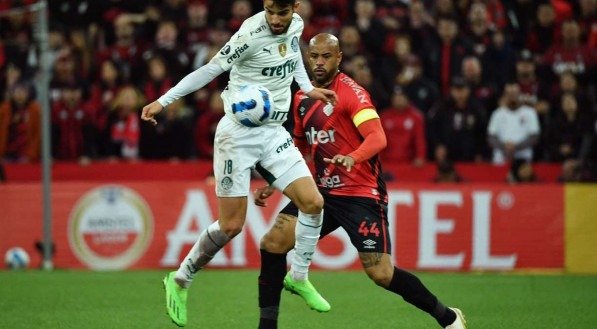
(41, 33)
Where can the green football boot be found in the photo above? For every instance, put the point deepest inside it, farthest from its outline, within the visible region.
(306, 290)
(176, 300)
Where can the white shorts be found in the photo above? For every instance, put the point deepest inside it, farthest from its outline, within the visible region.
(269, 149)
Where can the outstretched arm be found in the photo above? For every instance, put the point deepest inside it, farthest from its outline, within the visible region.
(374, 141)
(193, 81)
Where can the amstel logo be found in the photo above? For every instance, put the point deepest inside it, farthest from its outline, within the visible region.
(110, 227)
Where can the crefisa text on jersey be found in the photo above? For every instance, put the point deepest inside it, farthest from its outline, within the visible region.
(237, 52)
(281, 70)
(284, 146)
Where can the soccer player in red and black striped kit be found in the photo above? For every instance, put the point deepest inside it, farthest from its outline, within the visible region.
(344, 141)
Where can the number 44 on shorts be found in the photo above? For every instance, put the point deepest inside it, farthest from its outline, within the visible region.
(371, 229)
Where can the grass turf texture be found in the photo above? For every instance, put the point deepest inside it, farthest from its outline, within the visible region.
(228, 299)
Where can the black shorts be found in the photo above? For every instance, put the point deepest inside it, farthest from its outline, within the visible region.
(364, 219)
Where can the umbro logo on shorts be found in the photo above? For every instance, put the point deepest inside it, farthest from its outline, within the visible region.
(369, 244)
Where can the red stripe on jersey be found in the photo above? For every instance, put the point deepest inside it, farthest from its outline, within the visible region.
(310, 112)
(329, 130)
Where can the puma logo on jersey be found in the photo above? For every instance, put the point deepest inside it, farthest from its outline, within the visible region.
(267, 50)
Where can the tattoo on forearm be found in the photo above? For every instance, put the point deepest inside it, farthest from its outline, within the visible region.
(370, 259)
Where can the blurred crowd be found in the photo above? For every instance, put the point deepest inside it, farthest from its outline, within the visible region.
(496, 81)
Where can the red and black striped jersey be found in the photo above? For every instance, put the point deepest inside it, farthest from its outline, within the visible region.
(331, 130)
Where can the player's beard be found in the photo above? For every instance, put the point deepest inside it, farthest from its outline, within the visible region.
(323, 79)
(278, 31)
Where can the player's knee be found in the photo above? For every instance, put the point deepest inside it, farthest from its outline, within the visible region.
(381, 276)
(313, 204)
(275, 244)
(231, 228)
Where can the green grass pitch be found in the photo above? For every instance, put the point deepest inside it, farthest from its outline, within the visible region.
(228, 299)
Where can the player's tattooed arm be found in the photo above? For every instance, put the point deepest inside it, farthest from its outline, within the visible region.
(370, 259)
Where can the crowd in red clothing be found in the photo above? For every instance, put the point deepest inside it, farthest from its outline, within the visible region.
(436, 70)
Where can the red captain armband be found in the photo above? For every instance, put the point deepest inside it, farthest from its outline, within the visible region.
(374, 140)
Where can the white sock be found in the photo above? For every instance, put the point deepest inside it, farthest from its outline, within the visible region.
(307, 231)
(210, 241)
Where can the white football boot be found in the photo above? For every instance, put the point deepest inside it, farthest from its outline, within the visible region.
(460, 322)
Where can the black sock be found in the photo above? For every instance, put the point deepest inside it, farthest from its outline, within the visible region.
(414, 292)
(273, 270)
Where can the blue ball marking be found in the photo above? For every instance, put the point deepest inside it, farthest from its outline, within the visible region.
(244, 106)
(251, 104)
(20, 262)
(266, 105)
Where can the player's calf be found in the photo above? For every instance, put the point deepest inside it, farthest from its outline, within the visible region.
(280, 238)
(378, 267)
(413, 291)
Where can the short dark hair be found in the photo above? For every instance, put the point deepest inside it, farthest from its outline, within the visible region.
(284, 3)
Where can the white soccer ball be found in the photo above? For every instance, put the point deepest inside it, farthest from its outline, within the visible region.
(16, 258)
(252, 105)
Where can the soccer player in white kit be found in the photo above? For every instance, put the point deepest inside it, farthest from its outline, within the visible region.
(264, 51)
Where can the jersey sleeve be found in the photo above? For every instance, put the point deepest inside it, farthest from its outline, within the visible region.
(298, 130)
(374, 140)
(300, 74)
(359, 105)
(193, 81)
(301, 77)
(237, 49)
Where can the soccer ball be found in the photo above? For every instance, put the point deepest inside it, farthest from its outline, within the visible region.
(16, 258)
(251, 105)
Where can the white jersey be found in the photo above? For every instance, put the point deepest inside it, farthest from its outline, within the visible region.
(513, 127)
(256, 56)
